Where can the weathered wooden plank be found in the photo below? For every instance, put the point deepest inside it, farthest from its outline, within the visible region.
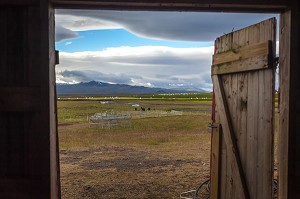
(216, 143)
(230, 91)
(226, 160)
(230, 88)
(251, 132)
(284, 112)
(252, 119)
(266, 122)
(235, 115)
(241, 133)
(294, 136)
(182, 5)
(231, 162)
(230, 187)
(19, 99)
(229, 136)
(240, 53)
(239, 39)
(223, 157)
(54, 147)
(245, 65)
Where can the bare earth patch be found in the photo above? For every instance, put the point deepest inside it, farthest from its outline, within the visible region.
(128, 172)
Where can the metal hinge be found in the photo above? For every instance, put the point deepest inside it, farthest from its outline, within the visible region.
(212, 125)
(276, 62)
(56, 57)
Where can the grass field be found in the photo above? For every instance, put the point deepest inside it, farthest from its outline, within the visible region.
(155, 157)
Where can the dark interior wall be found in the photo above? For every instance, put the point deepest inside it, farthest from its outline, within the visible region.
(294, 139)
(24, 101)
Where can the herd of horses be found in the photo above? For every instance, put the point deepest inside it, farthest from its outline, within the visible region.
(143, 109)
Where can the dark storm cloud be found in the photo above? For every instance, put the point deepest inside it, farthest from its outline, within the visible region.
(88, 75)
(184, 26)
(62, 33)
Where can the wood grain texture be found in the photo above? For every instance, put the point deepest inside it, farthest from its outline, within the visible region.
(24, 99)
(179, 5)
(238, 181)
(284, 115)
(215, 160)
(289, 137)
(242, 53)
(254, 63)
(250, 100)
(19, 99)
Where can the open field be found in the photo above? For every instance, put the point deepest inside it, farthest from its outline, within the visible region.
(155, 157)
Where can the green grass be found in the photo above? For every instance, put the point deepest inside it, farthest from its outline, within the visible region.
(73, 111)
(145, 131)
(152, 97)
(75, 133)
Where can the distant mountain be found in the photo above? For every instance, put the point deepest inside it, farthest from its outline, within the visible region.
(94, 87)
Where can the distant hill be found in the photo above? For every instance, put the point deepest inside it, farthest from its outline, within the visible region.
(94, 87)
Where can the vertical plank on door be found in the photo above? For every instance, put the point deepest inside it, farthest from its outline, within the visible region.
(250, 103)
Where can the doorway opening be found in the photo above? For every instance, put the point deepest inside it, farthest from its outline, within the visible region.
(165, 147)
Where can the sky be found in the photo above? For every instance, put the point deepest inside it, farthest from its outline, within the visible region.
(154, 49)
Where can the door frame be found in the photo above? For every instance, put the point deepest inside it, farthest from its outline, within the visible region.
(289, 31)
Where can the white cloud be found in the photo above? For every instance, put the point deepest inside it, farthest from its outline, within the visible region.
(68, 43)
(155, 66)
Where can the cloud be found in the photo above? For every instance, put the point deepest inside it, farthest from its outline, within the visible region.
(81, 22)
(155, 66)
(69, 76)
(68, 43)
(158, 66)
(62, 33)
(183, 26)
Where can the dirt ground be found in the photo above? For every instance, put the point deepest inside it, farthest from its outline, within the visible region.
(133, 172)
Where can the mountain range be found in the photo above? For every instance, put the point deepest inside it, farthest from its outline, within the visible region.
(94, 87)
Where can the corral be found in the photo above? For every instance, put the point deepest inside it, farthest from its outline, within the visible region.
(109, 120)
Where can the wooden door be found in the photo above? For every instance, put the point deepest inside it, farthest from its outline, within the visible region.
(242, 140)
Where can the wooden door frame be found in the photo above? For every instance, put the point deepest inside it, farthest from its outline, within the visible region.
(289, 60)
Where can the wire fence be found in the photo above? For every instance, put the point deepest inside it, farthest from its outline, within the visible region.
(109, 120)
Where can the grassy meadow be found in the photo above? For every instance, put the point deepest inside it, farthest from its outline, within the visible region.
(155, 157)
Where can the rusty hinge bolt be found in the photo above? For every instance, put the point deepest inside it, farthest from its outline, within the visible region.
(212, 126)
